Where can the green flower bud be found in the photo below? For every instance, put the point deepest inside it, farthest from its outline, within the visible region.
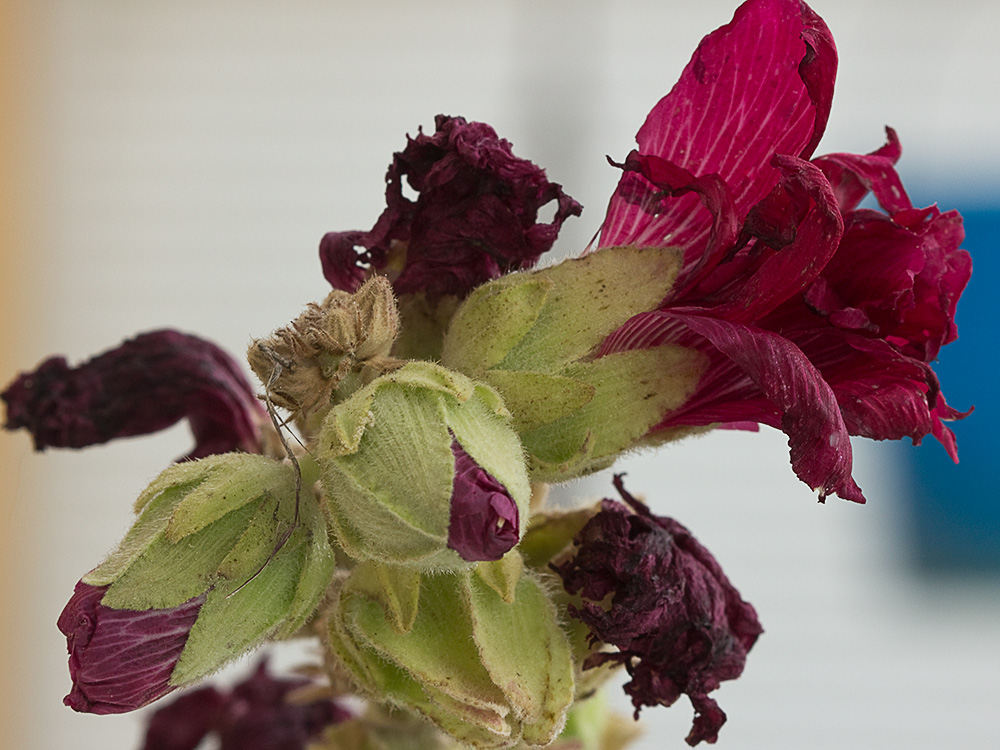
(488, 672)
(211, 529)
(534, 337)
(423, 468)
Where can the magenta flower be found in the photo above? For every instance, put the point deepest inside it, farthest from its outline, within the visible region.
(254, 715)
(817, 318)
(678, 623)
(484, 519)
(119, 659)
(476, 216)
(142, 386)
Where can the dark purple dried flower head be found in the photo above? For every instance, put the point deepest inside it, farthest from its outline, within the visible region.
(484, 518)
(142, 386)
(254, 715)
(119, 659)
(679, 625)
(476, 216)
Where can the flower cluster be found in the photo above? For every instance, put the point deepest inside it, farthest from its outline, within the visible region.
(444, 383)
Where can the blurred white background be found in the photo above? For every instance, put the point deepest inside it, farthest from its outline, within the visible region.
(186, 157)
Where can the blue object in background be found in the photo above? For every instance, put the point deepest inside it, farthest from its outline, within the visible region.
(955, 509)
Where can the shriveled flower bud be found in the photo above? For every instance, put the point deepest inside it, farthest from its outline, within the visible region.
(658, 595)
(219, 559)
(533, 336)
(343, 341)
(256, 714)
(456, 663)
(142, 386)
(423, 468)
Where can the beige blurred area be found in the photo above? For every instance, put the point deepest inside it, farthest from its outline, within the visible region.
(17, 217)
(175, 164)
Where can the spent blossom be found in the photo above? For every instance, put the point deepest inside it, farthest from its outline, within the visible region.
(679, 624)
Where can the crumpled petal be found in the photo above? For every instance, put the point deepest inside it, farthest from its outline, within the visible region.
(475, 218)
(759, 86)
(678, 623)
(119, 659)
(914, 274)
(484, 519)
(255, 715)
(142, 386)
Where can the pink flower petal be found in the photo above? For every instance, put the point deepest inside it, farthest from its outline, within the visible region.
(757, 87)
(853, 176)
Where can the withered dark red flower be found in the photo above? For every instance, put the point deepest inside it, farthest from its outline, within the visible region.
(817, 318)
(484, 519)
(255, 715)
(142, 386)
(679, 624)
(119, 659)
(475, 218)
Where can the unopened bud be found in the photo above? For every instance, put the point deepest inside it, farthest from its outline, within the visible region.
(218, 560)
(490, 673)
(422, 467)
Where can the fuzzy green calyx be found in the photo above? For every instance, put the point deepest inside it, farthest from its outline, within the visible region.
(211, 527)
(490, 673)
(533, 335)
(388, 465)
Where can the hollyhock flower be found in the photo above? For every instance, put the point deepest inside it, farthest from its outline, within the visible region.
(817, 317)
(679, 624)
(484, 518)
(255, 715)
(142, 386)
(476, 216)
(120, 660)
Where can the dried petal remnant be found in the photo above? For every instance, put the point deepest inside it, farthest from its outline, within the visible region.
(475, 218)
(142, 386)
(255, 715)
(679, 624)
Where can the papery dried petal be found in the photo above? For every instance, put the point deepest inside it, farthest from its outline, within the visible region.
(142, 386)
(255, 715)
(679, 624)
(475, 218)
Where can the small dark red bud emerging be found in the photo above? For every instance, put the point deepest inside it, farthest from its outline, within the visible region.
(484, 518)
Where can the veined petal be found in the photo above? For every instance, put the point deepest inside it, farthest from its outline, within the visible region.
(120, 659)
(883, 394)
(757, 87)
(820, 447)
(853, 176)
(769, 380)
(802, 212)
(652, 186)
(142, 386)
